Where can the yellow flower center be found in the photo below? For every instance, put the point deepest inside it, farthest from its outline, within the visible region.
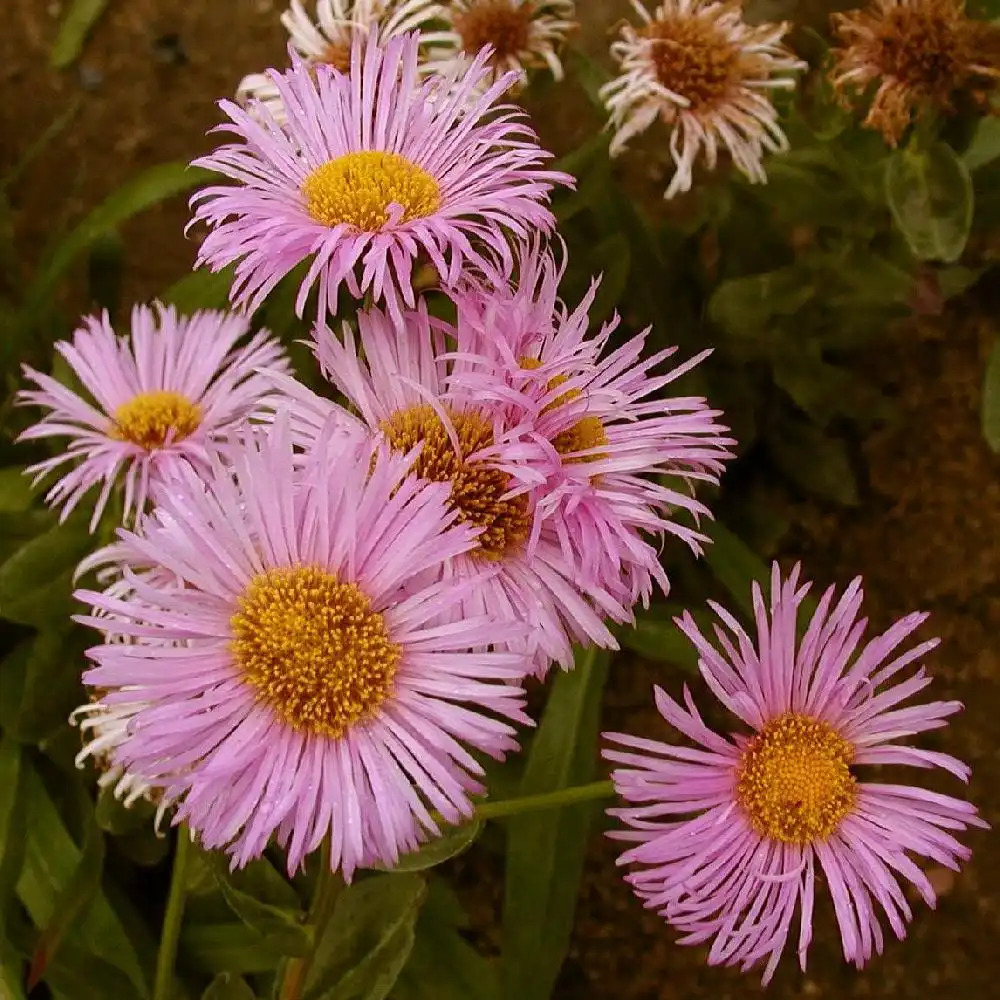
(501, 23)
(692, 56)
(794, 780)
(147, 420)
(588, 432)
(476, 487)
(313, 649)
(358, 188)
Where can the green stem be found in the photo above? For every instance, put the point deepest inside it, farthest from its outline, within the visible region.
(546, 800)
(325, 892)
(170, 934)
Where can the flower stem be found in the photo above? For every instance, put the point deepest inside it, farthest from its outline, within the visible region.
(546, 800)
(170, 934)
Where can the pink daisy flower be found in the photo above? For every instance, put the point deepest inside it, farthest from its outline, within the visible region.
(372, 170)
(600, 427)
(299, 685)
(171, 393)
(729, 835)
(400, 384)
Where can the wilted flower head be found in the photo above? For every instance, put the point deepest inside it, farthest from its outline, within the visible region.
(522, 35)
(698, 67)
(400, 383)
(171, 392)
(920, 54)
(297, 684)
(614, 457)
(728, 835)
(328, 38)
(370, 171)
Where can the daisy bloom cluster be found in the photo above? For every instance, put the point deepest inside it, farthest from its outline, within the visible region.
(699, 68)
(918, 54)
(170, 393)
(372, 169)
(730, 835)
(326, 37)
(522, 35)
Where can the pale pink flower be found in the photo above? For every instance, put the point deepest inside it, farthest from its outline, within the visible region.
(299, 685)
(170, 393)
(400, 383)
(729, 834)
(371, 171)
(614, 459)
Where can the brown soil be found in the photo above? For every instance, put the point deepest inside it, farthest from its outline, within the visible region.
(926, 537)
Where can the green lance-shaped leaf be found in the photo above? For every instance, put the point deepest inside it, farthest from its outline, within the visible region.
(15, 490)
(76, 24)
(12, 819)
(746, 306)
(985, 145)
(201, 289)
(545, 850)
(228, 986)
(930, 196)
(813, 460)
(367, 940)
(655, 637)
(449, 845)
(991, 399)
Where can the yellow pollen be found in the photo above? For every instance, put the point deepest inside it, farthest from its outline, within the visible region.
(794, 780)
(500, 23)
(476, 487)
(313, 649)
(586, 433)
(149, 419)
(692, 57)
(358, 188)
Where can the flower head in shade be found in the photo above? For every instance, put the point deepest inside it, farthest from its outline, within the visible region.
(298, 685)
(698, 67)
(600, 427)
(919, 54)
(327, 38)
(401, 384)
(522, 35)
(372, 171)
(729, 836)
(170, 393)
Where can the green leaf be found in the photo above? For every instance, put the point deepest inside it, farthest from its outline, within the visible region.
(282, 929)
(152, 186)
(451, 844)
(991, 399)
(105, 271)
(735, 566)
(36, 581)
(201, 289)
(227, 986)
(15, 490)
(52, 687)
(76, 24)
(209, 947)
(590, 75)
(11, 973)
(815, 461)
(930, 197)
(613, 256)
(367, 940)
(544, 851)
(655, 637)
(745, 306)
(985, 145)
(50, 862)
(443, 965)
(76, 974)
(12, 808)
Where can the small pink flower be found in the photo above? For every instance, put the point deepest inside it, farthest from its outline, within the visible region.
(299, 684)
(616, 460)
(371, 171)
(400, 383)
(728, 835)
(169, 394)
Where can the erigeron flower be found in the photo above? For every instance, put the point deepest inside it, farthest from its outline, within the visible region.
(327, 37)
(298, 684)
(400, 384)
(733, 836)
(371, 172)
(172, 392)
(919, 55)
(615, 457)
(523, 35)
(698, 67)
